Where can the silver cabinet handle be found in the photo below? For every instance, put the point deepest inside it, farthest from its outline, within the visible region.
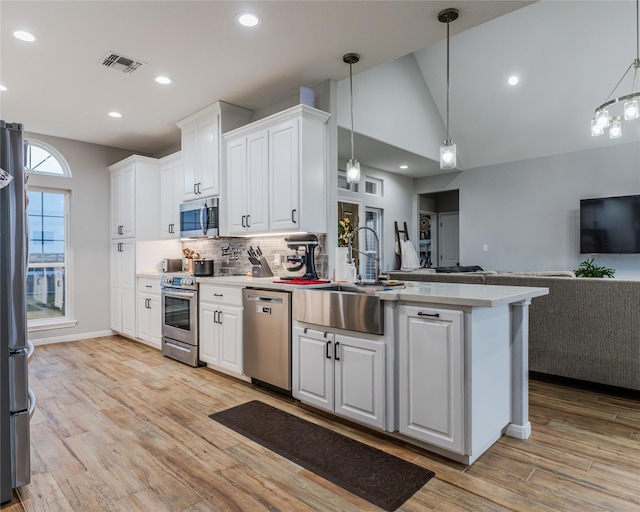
(294, 215)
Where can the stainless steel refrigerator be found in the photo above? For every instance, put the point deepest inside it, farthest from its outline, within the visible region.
(16, 400)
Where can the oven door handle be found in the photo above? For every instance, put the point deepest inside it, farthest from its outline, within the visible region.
(183, 295)
(178, 347)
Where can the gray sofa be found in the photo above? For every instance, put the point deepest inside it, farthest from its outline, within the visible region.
(586, 328)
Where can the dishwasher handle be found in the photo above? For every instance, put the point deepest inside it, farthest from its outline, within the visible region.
(260, 298)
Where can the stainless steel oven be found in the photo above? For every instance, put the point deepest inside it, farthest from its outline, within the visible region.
(180, 318)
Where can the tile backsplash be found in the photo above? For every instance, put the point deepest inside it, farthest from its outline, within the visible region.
(231, 258)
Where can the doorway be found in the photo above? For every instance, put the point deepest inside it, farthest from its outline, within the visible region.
(438, 229)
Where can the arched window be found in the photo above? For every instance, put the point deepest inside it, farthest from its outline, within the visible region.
(43, 159)
(48, 297)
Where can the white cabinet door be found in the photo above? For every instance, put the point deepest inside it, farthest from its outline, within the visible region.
(209, 350)
(284, 167)
(128, 287)
(221, 328)
(208, 162)
(237, 186)
(149, 319)
(129, 202)
(116, 287)
(123, 193)
(190, 175)
(248, 184)
(314, 376)
(431, 373)
(360, 379)
(117, 191)
(170, 197)
(144, 321)
(123, 287)
(230, 339)
(155, 320)
(257, 182)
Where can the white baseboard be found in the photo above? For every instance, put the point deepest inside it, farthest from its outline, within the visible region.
(519, 431)
(72, 337)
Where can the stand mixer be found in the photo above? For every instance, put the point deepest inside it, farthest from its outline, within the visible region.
(308, 242)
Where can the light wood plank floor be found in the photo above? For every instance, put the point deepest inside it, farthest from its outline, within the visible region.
(118, 427)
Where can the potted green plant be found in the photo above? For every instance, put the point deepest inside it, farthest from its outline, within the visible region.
(588, 269)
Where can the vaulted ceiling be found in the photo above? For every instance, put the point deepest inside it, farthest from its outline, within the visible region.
(568, 54)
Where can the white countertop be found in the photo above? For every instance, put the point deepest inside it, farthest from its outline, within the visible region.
(455, 294)
(463, 294)
(436, 293)
(254, 282)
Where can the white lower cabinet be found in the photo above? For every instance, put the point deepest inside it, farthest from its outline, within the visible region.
(123, 287)
(221, 327)
(431, 376)
(149, 313)
(342, 374)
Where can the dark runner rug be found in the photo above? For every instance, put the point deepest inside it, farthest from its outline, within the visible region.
(376, 476)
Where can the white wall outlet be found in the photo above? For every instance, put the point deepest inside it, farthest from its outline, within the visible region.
(485, 248)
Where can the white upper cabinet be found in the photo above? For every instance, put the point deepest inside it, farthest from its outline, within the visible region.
(284, 162)
(201, 147)
(170, 195)
(276, 168)
(135, 192)
(248, 188)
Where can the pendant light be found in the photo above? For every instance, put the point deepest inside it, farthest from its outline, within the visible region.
(602, 119)
(353, 166)
(448, 148)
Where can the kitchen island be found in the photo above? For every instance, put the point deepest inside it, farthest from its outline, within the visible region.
(449, 372)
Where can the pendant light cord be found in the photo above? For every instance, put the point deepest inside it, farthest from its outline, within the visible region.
(447, 79)
(351, 94)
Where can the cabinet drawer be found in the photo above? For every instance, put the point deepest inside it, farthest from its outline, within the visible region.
(223, 294)
(148, 285)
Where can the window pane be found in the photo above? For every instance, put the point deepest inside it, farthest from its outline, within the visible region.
(53, 252)
(35, 203)
(46, 293)
(53, 204)
(53, 228)
(40, 160)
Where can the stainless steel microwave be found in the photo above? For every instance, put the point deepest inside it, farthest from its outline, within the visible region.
(200, 218)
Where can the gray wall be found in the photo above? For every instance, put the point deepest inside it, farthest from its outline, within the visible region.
(527, 211)
(89, 208)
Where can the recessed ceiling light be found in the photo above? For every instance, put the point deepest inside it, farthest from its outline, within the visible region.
(404, 167)
(24, 36)
(115, 114)
(513, 80)
(164, 80)
(248, 19)
(2, 88)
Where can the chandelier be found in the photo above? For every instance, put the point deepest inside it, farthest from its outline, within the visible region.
(602, 119)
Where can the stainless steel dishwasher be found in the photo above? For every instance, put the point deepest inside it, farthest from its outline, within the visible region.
(267, 337)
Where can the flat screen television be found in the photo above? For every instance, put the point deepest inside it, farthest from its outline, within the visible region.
(610, 225)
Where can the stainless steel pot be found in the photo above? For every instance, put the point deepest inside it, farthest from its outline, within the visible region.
(202, 268)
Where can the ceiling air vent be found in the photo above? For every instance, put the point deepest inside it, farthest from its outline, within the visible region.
(121, 63)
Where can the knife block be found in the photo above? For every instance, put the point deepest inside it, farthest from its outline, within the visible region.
(260, 271)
